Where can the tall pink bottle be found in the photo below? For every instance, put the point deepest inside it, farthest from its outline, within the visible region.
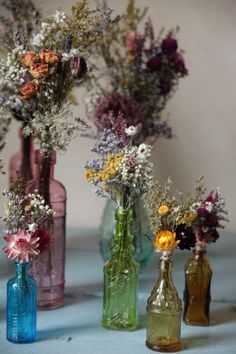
(48, 269)
(23, 160)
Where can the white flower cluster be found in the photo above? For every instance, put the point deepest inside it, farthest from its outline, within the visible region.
(74, 52)
(51, 35)
(135, 168)
(131, 130)
(53, 130)
(11, 71)
(59, 17)
(37, 206)
(5, 119)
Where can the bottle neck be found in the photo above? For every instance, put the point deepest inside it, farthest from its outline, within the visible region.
(45, 167)
(21, 270)
(122, 239)
(165, 270)
(199, 254)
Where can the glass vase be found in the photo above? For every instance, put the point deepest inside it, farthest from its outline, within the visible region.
(140, 230)
(164, 311)
(121, 278)
(48, 268)
(22, 162)
(21, 306)
(197, 296)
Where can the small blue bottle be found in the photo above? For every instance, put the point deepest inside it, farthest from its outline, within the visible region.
(21, 306)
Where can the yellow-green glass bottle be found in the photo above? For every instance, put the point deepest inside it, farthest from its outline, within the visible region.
(164, 312)
(121, 278)
(197, 296)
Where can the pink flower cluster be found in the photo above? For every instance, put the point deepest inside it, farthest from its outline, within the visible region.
(23, 244)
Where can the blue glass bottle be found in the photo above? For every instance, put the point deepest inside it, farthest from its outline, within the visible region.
(21, 306)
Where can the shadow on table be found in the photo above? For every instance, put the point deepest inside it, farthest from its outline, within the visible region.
(201, 341)
(226, 314)
(64, 333)
(81, 293)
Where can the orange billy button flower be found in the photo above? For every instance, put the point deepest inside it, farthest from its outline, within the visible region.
(39, 70)
(29, 59)
(163, 209)
(28, 90)
(47, 56)
(165, 240)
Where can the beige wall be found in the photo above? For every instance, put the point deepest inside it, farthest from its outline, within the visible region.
(202, 112)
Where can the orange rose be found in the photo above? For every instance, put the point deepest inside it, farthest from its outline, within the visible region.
(28, 59)
(39, 70)
(48, 56)
(28, 90)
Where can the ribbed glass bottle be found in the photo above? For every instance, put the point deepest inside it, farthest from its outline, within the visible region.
(164, 312)
(143, 249)
(21, 306)
(121, 274)
(197, 295)
(48, 268)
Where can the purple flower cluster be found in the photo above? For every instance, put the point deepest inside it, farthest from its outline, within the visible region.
(116, 104)
(209, 215)
(186, 236)
(167, 62)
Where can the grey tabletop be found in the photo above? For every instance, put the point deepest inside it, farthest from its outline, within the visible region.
(76, 329)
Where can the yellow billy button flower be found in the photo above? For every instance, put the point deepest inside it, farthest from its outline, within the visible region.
(165, 240)
(188, 218)
(89, 174)
(163, 209)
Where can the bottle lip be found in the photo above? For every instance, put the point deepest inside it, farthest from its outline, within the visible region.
(199, 251)
(21, 263)
(40, 156)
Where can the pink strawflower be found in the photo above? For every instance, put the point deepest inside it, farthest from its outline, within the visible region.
(22, 244)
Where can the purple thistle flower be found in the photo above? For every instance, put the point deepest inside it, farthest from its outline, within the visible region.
(179, 63)
(169, 45)
(164, 87)
(212, 197)
(155, 63)
(212, 220)
(119, 105)
(202, 212)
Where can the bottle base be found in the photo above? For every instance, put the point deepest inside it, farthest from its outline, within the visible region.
(175, 347)
(203, 323)
(119, 327)
(50, 298)
(21, 340)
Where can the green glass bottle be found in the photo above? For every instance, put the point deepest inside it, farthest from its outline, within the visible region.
(164, 312)
(197, 295)
(143, 248)
(121, 278)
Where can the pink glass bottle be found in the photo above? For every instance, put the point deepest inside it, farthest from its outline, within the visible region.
(23, 160)
(48, 269)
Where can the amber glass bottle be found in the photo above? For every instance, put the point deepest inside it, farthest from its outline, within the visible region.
(197, 289)
(164, 312)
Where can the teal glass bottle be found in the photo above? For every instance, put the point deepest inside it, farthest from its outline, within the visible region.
(21, 306)
(121, 278)
(140, 226)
